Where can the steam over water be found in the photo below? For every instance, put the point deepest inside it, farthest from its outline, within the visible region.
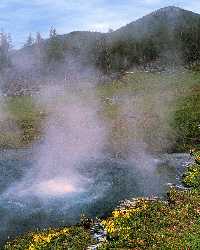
(56, 202)
(68, 173)
(99, 136)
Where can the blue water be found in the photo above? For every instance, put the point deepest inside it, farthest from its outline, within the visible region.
(110, 182)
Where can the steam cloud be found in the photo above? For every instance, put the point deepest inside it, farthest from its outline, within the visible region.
(72, 135)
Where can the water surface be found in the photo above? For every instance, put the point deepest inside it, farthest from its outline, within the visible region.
(109, 181)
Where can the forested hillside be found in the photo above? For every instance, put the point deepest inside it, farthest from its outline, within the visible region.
(164, 39)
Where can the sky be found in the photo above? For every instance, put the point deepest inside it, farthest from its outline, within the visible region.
(20, 17)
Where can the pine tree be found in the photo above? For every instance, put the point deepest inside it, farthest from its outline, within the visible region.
(29, 41)
(5, 46)
(55, 51)
(102, 55)
(38, 39)
(52, 33)
(39, 51)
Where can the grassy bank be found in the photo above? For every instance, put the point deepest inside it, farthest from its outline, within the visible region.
(146, 224)
(165, 109)
(21, 122)
(173, 223)
(162, 110)
(75, 238)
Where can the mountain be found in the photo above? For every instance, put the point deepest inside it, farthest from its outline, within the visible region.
(167, 36)
(170, 17)
(161, 26)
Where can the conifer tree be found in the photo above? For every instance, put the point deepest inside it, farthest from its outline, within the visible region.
(29, 41)
(5, 47)
(55, 50)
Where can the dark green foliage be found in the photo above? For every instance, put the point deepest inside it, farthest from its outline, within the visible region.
(5, 47)
(102, 55)
(121, 55)
(146, 224)
(54, 49)
(188, 36)
(186, 120)
(166, 38)
(29, 41)
(191, 177)
(170, 36)
(156, 224)
(74, 238)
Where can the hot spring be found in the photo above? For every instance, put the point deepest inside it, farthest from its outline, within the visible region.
(55, 202)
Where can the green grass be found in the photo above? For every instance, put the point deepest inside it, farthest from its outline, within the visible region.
(74, 238)
(165, 109)
(146, 224)
(22, 124)
(162, 110)
(22, 108)
(191, 178)
(156, 224)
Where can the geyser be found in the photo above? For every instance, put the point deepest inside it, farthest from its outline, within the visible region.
(72, 135)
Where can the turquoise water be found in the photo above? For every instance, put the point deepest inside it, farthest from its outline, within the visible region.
(110, 181)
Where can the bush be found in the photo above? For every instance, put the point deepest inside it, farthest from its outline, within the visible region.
(191, 177)
(156, 224)
(186, 121)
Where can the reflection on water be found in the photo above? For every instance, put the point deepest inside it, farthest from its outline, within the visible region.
(55, 187)
(59, 203)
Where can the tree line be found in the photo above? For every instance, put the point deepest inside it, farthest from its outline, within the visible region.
(48, 51)
(182, 46)
(163, 47)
